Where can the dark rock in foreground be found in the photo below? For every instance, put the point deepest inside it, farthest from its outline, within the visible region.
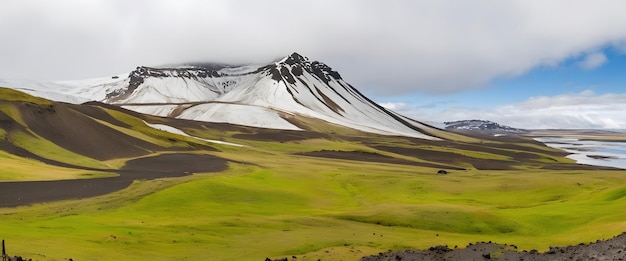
(612, 249)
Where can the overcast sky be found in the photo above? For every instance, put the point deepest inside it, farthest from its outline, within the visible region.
(405, 54)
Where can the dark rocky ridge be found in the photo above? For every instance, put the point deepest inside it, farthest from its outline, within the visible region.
(611, 249)
(137, 76)
(292, 66)
(482, 126)
(295, 64)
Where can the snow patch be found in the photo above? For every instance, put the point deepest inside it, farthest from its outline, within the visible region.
(173, 130)
(238, 114)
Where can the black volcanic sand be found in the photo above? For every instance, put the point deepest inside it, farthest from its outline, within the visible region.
(67, 127)
(280, 135)
(370, 157)
(75, 128)
(14, 194)
(612, 249)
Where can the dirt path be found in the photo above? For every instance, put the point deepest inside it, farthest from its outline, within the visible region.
(14, 194)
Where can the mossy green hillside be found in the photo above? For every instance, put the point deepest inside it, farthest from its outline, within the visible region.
(47, 149)
(140, 130)
(296, 205)
(7, 94)
(15, 168)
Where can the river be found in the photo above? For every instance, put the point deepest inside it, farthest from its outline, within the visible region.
(591, 152)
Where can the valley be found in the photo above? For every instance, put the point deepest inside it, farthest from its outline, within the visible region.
(315, 170)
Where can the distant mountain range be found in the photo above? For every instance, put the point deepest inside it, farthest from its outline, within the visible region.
(282, 94)
(481, 126)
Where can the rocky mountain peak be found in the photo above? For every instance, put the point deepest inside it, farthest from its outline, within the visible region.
(295, 58)
(295, 64)
(265, 96)
(187, 72)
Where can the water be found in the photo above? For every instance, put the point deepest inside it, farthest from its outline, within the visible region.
(598, 153)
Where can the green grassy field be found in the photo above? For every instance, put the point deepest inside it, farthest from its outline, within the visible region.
(273, 203)
(320, 209)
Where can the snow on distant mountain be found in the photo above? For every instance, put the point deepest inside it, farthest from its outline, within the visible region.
(480, 125)
(49, 90)
(260, 96)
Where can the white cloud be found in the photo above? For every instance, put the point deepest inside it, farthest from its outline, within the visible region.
(396, 106)
(584, 110)
(592, 61)
(380, 47)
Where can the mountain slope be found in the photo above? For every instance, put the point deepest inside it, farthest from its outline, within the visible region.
(77, 136)
(259, 96)
(94, 135)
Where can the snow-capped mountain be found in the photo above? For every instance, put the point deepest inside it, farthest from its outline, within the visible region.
(480, 125)
(261, 96)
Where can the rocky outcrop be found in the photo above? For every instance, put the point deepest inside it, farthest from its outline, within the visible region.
(611, 249)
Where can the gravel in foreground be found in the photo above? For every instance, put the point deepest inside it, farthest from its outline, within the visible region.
(611, 249)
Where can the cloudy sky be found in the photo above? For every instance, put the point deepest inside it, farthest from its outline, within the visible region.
(528, 64)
